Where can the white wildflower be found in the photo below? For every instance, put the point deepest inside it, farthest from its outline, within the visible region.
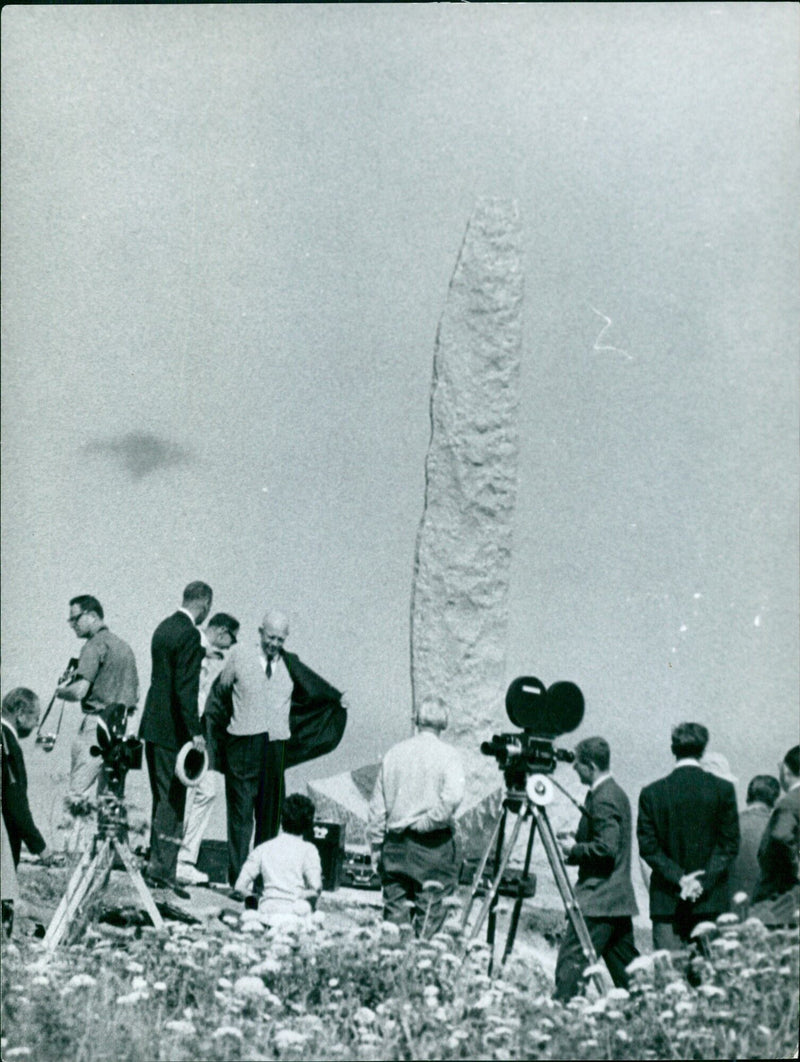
(365, 1016)
(727, 919)
(703, 928)
(135, 967)
(740, 898)
(224, 982)
(289, 1038)
(227, 1030)
(138, 984)
(129, 999)
(82, 980)
(159, 986)
(181, 1027)
(619, 993)
(250, 986)
(641, 962)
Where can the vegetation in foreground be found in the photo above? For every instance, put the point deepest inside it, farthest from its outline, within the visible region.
(217, 992)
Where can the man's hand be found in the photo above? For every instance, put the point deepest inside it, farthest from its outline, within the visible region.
(199, 743)
(344, 702)
(566, 842)
(691, 887)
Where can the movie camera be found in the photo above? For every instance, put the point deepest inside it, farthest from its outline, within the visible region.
(120, 754)
(543, 714)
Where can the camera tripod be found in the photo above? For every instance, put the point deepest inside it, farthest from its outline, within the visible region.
(529, 803)
(94, 869)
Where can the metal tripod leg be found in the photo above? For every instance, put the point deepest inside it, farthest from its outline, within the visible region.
(565, 889)
(500, 869)
(513, 925)
(497, 831)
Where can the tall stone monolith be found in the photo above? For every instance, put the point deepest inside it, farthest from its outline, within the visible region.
(459, 610)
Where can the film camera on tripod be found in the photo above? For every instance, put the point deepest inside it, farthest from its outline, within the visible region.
(526, 758)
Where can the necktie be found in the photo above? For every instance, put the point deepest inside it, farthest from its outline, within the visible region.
(269, 668)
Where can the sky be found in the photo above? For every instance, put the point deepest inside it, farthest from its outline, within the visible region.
(228, 233)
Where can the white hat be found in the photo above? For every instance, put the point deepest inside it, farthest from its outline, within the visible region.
(191, 764)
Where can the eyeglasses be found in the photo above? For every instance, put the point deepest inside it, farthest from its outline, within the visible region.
(74, 619)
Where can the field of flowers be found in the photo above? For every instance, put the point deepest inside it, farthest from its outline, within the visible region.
(223, 992)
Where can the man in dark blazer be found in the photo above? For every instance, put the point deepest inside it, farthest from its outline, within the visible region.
(601, 849)
(688, 832)
(762, 792)
(20, 717)
(171, 719)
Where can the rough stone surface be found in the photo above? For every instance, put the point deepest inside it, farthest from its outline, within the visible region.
(459, 611)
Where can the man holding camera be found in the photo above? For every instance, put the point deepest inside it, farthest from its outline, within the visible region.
(688, 832)
(170, 719)
(105, 674)
(601, 849)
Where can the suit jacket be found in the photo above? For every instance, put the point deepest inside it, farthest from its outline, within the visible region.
(746, 872)
(170, 716)
(16, 811)
(778, 852)
(316, 716)
(688, 821)
(602, 852)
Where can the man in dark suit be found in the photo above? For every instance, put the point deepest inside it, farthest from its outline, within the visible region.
(20, 717)
(778, 852)
(688, 832)
(170, 719)
(601, 849)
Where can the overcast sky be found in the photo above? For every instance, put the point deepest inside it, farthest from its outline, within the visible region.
(228, 233)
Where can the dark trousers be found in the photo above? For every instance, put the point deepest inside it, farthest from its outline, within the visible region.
(675, 932)
(169, 801)
(253, 794)
(408, 861)
(613, 941)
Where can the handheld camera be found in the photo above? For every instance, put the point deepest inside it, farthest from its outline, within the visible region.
(543, 714)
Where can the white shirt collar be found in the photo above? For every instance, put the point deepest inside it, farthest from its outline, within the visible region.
(599, 780)
(186, 612)
(11, 727)
(791, 787)
(689, 761)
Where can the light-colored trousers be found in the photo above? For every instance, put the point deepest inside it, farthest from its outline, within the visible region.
(199, 802)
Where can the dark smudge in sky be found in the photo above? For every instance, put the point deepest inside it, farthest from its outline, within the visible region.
(139, 452)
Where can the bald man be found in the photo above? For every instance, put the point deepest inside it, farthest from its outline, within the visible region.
(267, 711)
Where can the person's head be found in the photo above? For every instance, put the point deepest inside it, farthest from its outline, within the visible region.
(197, 598)
(297, 815)
(85, 615)
(790, 768)
(432, 715)
(274, 631)
(689, 741)
(592, 758)
(763, 789)
(21, 707)
(716, 763)
(222, 630)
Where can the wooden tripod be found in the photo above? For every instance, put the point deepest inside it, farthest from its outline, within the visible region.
(92, 874)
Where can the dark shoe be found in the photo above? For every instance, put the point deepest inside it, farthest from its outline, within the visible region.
(160, 883)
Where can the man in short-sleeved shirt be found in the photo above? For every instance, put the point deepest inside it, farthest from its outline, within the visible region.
(106, 674)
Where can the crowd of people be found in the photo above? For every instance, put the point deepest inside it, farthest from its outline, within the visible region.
(252, 709)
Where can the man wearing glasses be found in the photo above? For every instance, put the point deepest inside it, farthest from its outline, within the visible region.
(106, 674)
